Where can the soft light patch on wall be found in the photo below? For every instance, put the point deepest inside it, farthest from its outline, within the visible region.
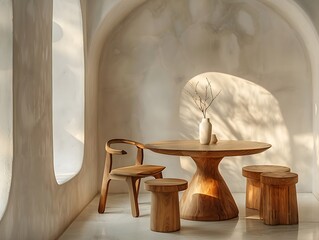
(68, 89)
(6, 105)
(244, 111)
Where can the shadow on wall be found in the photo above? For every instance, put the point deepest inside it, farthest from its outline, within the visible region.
(244, 111)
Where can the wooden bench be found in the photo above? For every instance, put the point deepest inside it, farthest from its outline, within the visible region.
(279, 198)
(165, 215)
(252, 173)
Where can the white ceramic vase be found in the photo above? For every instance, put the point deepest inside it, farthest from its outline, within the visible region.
(205, 131)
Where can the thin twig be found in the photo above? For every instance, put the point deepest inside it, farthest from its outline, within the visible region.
(202, 102)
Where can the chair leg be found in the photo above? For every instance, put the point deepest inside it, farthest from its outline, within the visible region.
(158, 175)
(137, 185)
(131, 181)
(103, 196)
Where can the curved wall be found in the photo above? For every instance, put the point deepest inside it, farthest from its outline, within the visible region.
(6, 112)
(306, 24)
(39, 208)
(163, 44)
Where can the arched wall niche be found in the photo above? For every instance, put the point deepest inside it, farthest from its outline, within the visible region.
(6, 105)
(308, 34)
(160, 90)
(67, 89)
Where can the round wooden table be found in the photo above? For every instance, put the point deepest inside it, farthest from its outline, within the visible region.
(208, 197)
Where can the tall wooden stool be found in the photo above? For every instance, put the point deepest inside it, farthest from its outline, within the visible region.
(252, 173)
(279, 198)
(165, 215)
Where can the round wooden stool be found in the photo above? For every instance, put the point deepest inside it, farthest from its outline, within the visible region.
(165, 204)
(279, 198)
(252, 173)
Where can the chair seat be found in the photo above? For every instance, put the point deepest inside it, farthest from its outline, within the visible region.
(137, 170)
(131, 174)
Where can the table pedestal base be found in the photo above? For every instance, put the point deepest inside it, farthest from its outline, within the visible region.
(208, 197)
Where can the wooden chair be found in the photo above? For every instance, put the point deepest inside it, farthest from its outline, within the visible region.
(131, 174)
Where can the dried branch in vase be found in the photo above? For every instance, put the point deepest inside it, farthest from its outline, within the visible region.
(202, 100)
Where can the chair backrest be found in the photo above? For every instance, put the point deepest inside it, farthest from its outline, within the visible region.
(110, 151)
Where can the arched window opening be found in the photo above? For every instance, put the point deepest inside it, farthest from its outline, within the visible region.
(67, 89)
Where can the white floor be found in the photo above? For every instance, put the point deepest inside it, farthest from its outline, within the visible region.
(117, 223)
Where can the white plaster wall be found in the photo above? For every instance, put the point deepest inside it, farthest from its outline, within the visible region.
(312, 8)
(161, 45)
(6, 83)
(39, 208)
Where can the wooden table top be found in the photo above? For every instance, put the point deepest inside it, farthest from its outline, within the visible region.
(222, 148)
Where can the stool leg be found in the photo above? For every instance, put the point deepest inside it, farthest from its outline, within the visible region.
(266, 213)
(253, 194)
(282, 208)
(279, 205)
(293, 211)
(165, 216)
(261, 203)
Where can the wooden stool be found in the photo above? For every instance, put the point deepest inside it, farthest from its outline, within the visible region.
(252, 173)
(279, 198)
(165, 204)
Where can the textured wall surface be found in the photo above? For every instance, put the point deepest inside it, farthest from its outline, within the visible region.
(151, 55)
(38, 207)
(311, 8)
(250, 51)
(6, 108)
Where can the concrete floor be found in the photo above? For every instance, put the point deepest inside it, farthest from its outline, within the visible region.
(117, 223)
